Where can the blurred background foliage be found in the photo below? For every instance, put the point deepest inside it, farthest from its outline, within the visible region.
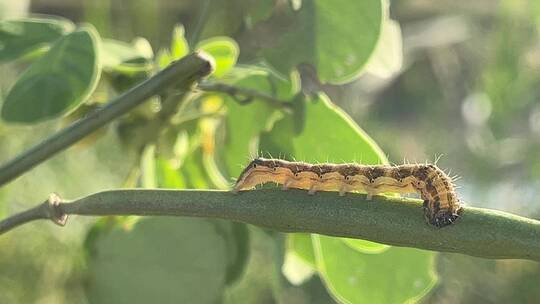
(454, 78)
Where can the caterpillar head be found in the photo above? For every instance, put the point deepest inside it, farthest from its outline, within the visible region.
(257, 172)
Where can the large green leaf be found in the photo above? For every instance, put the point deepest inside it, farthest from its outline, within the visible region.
(397, 275)
(58, 82)
(327, 134)
(336, 37)
(322, 132)
(23, 36)
(159, 260)
(387, 58)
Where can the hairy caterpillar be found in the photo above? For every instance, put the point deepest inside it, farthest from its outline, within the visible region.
(441, 204)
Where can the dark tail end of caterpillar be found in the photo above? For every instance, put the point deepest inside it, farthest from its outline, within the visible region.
(439, 217)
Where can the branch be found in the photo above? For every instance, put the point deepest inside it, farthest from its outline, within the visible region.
(394, 221)
(47, 210)
(249, 94)
(181, 73)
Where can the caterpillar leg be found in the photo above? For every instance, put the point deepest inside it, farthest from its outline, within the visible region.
(312, 189)
(444, 218)
(343, 190)
(287, 184)
(370, 191)
(439, 217)
(370, 194)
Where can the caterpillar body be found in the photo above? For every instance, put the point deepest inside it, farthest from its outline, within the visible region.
(441, 204)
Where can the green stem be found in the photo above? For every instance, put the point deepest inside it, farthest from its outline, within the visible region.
(249, 94)
(180, 73)
(201, 21)
(393, 221)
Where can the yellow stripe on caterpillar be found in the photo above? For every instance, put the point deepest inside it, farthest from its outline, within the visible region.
(441, 204)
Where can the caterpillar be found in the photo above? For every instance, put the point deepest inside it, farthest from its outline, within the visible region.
(441, 204)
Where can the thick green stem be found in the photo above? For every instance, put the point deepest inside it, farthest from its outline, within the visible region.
(180, 74)
(394, 221)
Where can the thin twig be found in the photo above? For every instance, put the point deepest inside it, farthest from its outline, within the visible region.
(46, 210)
(195, 116)
(248, 94)
(393, 221)
(186, 70)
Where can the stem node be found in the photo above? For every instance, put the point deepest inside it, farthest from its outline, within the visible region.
(54, 210)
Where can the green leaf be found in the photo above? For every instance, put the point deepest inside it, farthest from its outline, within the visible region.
(194, 173)
(314, 143)
(179, 45)
(123, 57)
(321, 132)
(387, 58)
(190, 175)
(225, 52)
(327, 134)
(255, 285)
(244, 122)
(143, 47)
(23, 36)
(160, 260)
(295, 269)
(301, 245)
(123, 76)
(336, 37)
(58, 82)
(218, 18)
(237, 237)
(365, 246)
(259, 10)
(397, 275)
(183, 167)
(163, 58)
